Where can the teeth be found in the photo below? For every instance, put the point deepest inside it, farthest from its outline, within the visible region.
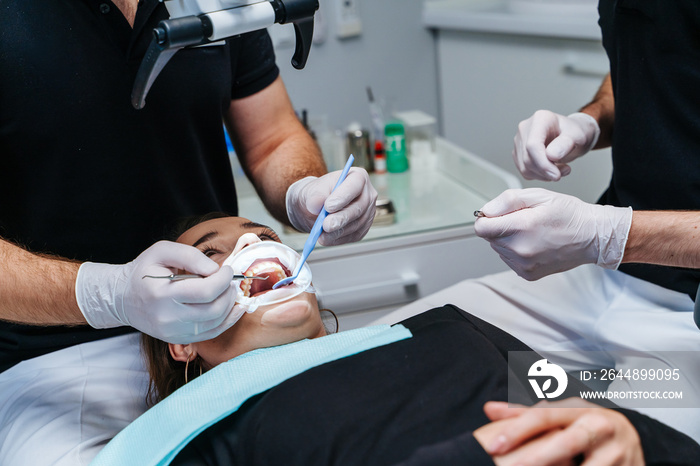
(274, 271)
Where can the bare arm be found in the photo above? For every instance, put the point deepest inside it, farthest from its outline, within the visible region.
(602, 108)
(37, 289)
(664, 238)
(274, 148)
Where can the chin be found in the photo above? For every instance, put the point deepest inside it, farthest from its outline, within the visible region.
(293, 313)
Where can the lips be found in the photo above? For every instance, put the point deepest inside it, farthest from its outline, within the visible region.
(269, 267)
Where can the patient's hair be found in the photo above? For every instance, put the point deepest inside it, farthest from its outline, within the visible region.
(167, 374)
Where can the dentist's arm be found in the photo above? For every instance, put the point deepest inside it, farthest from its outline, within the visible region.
(44, 290)
(539, 232)
(664, 238)
(547, 142)
(37, 289)
(288, 171)
(272, 145)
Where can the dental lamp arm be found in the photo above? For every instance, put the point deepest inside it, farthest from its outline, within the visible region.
(179, 32)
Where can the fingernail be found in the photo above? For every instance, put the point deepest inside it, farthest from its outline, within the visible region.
(498, 444)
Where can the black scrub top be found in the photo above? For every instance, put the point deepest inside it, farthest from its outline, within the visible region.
(85, 175)
(654, 52)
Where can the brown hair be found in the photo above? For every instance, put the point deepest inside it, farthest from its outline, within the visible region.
(166, 374)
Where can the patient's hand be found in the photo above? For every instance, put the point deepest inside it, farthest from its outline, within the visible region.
(556, 433)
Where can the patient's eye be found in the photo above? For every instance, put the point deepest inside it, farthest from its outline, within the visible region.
(268, 235)
(210, 251)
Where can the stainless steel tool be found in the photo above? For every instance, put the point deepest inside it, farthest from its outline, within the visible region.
(175, 277)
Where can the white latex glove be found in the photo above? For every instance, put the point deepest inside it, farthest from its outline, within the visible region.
(539, 232)
(351, 207)
(547, 142)
(176, 312)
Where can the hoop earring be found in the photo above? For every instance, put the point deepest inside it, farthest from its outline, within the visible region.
(187, 364)
(337, 323)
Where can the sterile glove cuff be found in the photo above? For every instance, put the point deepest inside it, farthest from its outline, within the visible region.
(613, 226)
(587, 121)
(95, 294)
(295, 208)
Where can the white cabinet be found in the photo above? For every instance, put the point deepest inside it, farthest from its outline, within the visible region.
(497, 68)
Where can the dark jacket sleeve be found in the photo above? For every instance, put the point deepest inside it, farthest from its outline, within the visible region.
(458, 451)
(662, 444)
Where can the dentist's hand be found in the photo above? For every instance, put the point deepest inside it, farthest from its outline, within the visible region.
(547, 142)
(539, 232)
(350, 208)
(176, 312)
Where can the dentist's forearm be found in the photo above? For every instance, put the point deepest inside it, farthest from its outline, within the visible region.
(37, 289)
(602, 108)
(669, 238)
(295, 158)
(274, 148)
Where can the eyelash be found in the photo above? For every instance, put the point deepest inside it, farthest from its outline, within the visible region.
(265, 235)
(268, 235)
(210, 251)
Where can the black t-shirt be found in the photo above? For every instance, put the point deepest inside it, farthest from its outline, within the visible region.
(413, 402)
(86, 176)
(654, 52)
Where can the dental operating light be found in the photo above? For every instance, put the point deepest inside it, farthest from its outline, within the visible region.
(201, 22)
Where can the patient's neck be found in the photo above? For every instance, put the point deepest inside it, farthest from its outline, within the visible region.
(253, 333)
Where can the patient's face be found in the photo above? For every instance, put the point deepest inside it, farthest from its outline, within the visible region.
(269, 325)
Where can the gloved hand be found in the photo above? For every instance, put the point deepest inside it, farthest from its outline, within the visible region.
(351, 207)
(547, 142)
(539, 232)
(176, 312)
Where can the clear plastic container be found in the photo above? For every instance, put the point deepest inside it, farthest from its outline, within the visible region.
(420, 132)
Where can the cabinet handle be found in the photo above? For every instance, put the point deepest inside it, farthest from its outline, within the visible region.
(377, 294)
(579, 65)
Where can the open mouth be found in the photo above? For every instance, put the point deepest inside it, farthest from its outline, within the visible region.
(269, 267)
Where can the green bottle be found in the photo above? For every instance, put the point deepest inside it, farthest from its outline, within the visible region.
(395, 135)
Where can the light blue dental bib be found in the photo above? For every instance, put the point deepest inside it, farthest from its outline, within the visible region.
(157, 436)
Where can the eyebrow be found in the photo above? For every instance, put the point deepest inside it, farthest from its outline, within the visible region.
(207, 237)
(214, 234)
(251, 225)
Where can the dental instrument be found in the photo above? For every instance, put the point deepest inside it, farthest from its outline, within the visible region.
(316, 231)
(175, 277)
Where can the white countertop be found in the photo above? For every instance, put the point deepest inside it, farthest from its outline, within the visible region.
(509, 17)
(436, 202)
